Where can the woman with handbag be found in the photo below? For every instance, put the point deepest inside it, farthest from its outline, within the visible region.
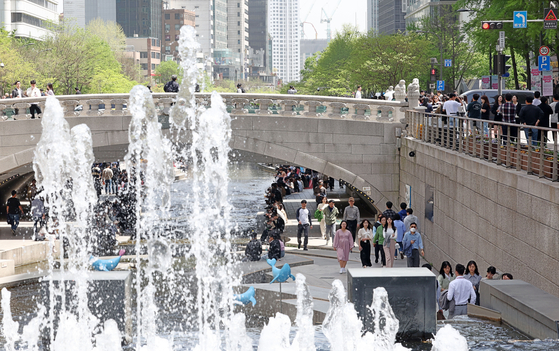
(364, 237)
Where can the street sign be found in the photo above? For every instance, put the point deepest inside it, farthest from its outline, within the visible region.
(544, 63)
(448, 63)
(519, 19)
(431, 86)
(506, 75)
(544, 50)
(550, 19)
(440, 85)
(502, 40)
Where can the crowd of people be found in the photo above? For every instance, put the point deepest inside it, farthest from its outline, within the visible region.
(109, 179)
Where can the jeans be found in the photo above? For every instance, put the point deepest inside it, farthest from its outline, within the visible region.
(534, 135)
(330, 231)
(303, 228)
(513, 133)
(379, 249)
(352, 227)
(40, 221)
(413, 260)
(108, 186)
(14, 220)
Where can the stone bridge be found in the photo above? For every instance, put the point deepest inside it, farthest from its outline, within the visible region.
(349, 139)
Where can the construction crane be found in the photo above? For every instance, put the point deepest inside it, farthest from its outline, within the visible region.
(305, 20)
(328, 19)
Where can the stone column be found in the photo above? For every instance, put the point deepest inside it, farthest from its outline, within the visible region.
(264, 105)
(239, 106)
(94, 111)
(311, 109)
(3, 117)
(337, 110)
(287, 107)
(69, 107)
(22, 110)
(360, 111)
(119, 106)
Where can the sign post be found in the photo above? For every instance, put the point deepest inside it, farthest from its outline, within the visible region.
(544, 51)
(519, 19)
(447, 63)
(544, 63)
(440, 85)
(550, 19)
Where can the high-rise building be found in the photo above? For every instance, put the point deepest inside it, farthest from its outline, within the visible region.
(140, 18)
(283, 26)
(173, 20)
(28, 19)
(238, 34)
(311, 46)
(258, 38)
(372, 15)
(391, 15)
(418, 9)
(84, 11)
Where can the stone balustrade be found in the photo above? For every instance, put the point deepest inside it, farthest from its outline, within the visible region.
(238, 104)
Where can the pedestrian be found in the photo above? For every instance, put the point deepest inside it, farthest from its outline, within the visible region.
(364, 238)
(413, 246)
(389, 212)
(389, 244)
(461, 291)
(358, 92)
(17, 92)
(474, 110)
(553, 119)
(343, 243)
(485, 113)
(508, 112)
(240, 89)
(530, 115)
(403, 213)
(352, 217)
(291, 90)
(537, 100)
(507, 276)
(77, 90)
(330, 216)
(400, 231)
(274, 250)
(445, 275)
(304, 222)
(331, 183)
(107, 177)
(50, 89)
(14, 211)
(34, 92)
(472, 274)
(38, 214)
(253, 250)
(410, 218)
(544, 122)
(172, 86)
(376, 245)
(96, 173)
(321, 207)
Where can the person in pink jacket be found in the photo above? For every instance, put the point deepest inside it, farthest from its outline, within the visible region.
(343, 243)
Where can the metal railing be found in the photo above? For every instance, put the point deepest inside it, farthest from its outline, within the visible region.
(237, 104)
(506, 144)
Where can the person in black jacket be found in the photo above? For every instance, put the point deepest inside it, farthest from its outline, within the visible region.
(253, 249)
(274, 250)
(530, 115)
(172, 86)
(544, 122)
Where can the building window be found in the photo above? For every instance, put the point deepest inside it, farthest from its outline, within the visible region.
(153, 66)
(238, 4)
(167, 49)
(177, 37)
(177, 15)
(167, 38)
(238, 41)
(157, 55)
(238, 32)
(143, 54)
(144, 66)
(238, 14)
(238, 23)
(177, 27)
(22, 17)
(167, 27)
(152, 54)
(167, 16)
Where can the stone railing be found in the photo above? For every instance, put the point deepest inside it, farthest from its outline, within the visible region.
(237, 104)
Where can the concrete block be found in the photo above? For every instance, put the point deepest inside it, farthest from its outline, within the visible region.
(366, 149)
(281, 152)
(248, 144)
(338, 172)
(361, 169)
(7, 268)
(99, 139)
(411, 293)
(309, 161)
(357, 139)
(310, 148)
(242, 123)
(338, 148)
(285, 124)
(25, 156)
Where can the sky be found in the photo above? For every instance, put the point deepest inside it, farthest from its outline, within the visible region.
(349, 11)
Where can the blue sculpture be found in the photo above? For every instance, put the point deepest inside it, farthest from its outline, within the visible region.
(246, 297)
(280, 275)
(106, 265)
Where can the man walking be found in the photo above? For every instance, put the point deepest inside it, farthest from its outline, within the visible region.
(474, 110)
(38, 213)
(33, 91)
(172, 86)
(358, 92)
(410, 218)
(14, 210)
(352, 217)
(389, 212)
(460, 290)
(413, 245)
(330, 215)
(304, 222)
(107, 177)
(508, 110)
(17, 93)
(530, 115)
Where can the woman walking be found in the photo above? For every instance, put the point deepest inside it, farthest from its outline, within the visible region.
(321, 206)
(389, 244)
(472, 274)
(378, 240)
(445, 275)
(364, 237)
(343, 243)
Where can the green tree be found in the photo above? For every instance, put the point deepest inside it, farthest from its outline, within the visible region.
(15, 65)
(166, 69)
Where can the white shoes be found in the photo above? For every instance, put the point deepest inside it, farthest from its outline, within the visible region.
(341, 270)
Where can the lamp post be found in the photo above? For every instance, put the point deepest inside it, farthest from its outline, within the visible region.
(440, 49)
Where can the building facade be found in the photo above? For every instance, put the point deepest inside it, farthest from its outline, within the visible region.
(372, 15)
(311, 46)
(28, 18)
(258, 38)
(238, 34)
(146, 52)
(285, 32)
(140, 18)
(418, 9)
(84, 11)
(173, 20)
(391, 16)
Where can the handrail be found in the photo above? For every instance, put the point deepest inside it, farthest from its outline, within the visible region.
(238, 104)
(468, 136)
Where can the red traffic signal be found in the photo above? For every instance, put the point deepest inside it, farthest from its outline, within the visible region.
(433, 71)
(485, 25)
(491, 25)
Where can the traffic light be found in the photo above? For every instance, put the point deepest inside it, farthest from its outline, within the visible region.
(486, 25)
(433, 74)
(500, 66)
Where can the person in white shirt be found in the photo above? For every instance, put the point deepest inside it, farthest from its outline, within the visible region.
(358, 92)
(34, 92)
(304, 222)
(537, 100)
(554, 118)
(450, 108)
(460, 289)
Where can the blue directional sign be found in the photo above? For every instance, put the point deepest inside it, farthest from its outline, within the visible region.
(544, 63)
(448, 63)
(519, 19)
(440, 85)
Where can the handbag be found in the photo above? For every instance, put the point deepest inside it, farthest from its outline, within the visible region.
(318, 215)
